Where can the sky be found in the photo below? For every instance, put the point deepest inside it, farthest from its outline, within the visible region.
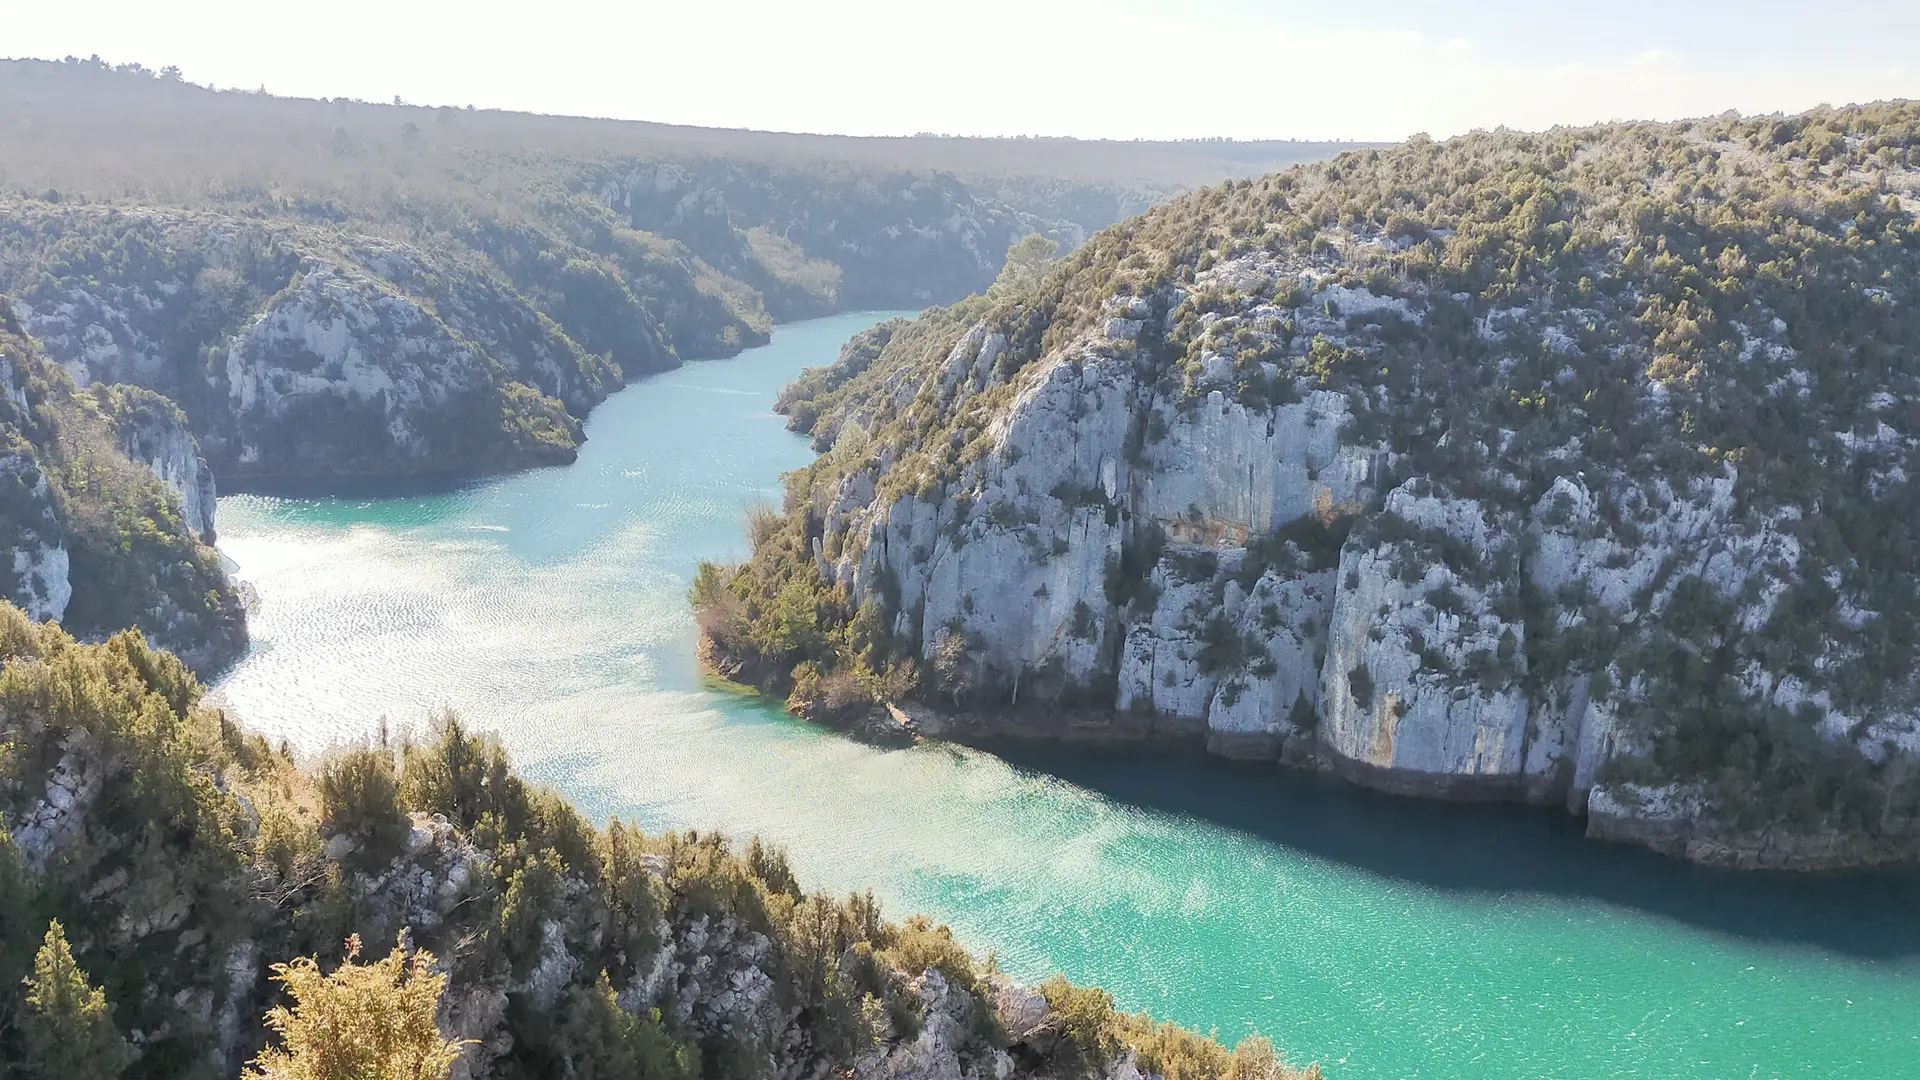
(1090, 68)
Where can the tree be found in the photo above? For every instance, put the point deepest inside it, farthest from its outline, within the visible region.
(605, 1042)
(1360, 682)
(67, 1030)
(363, 1022)
(1302, 716)
(1027, 263)
(360, 797)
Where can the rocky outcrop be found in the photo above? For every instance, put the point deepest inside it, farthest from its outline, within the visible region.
(1421, 687)
(1310, 498)
(106, 511)
(61, 810)
(342, 376)
(302, 353)
(35, 572)
(152, 431)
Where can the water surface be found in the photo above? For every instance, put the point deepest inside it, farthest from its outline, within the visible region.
(1387, 939)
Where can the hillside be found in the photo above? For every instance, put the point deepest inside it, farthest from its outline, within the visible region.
(124, 130)
(181, 857)
(338, 288)
(1570, 467)
(106, 511)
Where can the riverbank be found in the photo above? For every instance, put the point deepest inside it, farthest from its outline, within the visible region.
(1611, 817)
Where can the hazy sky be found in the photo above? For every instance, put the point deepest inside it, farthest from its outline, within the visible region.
(1093, 68)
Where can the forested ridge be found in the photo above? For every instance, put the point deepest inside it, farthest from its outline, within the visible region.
(90, 532)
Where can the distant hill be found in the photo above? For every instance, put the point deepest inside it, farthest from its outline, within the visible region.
(127, 132)
(335, 287)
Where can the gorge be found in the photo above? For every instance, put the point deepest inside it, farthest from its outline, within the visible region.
(1381, 937)
(1565, 470)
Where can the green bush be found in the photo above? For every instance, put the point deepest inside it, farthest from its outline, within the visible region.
(360, 798)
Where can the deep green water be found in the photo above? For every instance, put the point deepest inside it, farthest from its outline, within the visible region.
(1385, 938)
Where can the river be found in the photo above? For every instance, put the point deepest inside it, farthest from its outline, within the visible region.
(1385, 938)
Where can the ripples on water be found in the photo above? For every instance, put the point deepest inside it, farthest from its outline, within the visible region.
(1386, 938)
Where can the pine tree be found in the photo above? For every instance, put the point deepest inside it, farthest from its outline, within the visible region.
(605, 1042)
(1027, 262)
(16, 941)
(67, 1030)
(363, 1022)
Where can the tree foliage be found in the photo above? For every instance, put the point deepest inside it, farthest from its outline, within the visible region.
(67, 1029)
(220, 835)
(360, 1022)
(1027, 262)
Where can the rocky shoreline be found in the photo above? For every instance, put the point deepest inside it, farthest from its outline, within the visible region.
(1617, 814)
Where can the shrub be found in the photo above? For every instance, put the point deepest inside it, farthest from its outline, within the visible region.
(284, 840)
(360, 798)
(918, 945)
(1089, 1027)
(362, 1022)
(599, 1040)
(1360, 682)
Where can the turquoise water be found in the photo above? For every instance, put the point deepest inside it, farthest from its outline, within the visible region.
(1387, 939)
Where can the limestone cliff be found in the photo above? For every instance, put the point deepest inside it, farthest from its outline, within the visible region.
(304, 348)
(106, 511)
(302, 353)
(1513, 467)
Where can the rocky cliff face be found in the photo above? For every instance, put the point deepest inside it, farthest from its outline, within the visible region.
(1306, 466)
(106, 511)
(152, 431)
(37, 567)
(300, 353)
(311, 350)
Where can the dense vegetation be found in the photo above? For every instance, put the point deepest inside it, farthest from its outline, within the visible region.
(160, 858)
(1707, 321)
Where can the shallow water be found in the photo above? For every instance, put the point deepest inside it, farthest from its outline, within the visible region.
(1385, 938)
